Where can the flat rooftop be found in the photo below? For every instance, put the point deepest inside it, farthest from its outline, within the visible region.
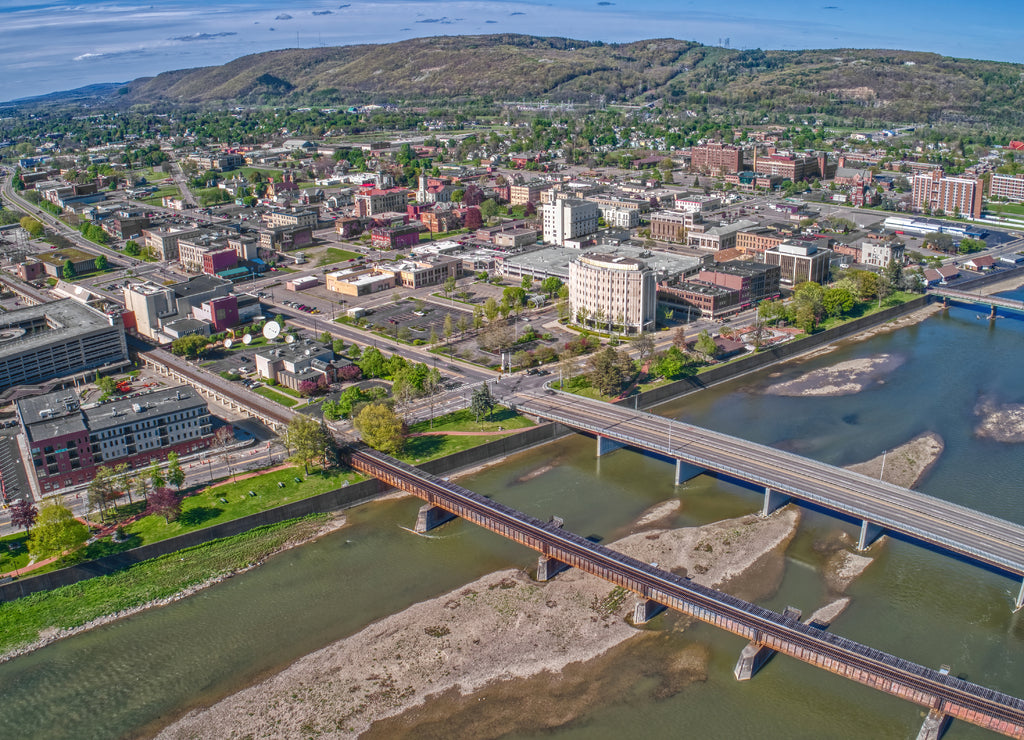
(60, 321)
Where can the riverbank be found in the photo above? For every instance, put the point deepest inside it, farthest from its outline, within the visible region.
(495, 634)
(39, 619)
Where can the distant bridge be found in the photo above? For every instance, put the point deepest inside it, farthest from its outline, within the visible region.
(977, 299)
(943, 695)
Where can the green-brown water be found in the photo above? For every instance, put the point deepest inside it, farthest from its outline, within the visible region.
(133, 676)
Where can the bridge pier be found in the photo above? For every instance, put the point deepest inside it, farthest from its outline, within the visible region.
(772, 500)
(605, 445)
(431, 516)
(992, 313)
(548, 568)
(755, 655)
(1019, 603)
(869, 532)
(934, 725)
(646, 610)
(685, 472)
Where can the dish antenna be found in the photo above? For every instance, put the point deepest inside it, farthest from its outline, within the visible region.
(271, 330)
(289, 339)
(247, 339)
(228, 343)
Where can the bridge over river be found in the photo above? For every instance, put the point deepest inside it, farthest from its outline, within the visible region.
(945, 696)
(878, 505)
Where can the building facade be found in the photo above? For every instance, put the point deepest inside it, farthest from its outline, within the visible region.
(569, 218)
(68, 442)
(716, 158)
(1010, 187)
(934, 192)
(607, 290)
(800, 261)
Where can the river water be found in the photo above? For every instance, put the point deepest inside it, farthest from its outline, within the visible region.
(129, 678)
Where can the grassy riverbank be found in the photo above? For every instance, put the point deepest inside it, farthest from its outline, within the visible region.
(467, 432)
(48, 614)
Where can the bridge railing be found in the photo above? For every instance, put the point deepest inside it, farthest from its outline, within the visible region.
(875, 517)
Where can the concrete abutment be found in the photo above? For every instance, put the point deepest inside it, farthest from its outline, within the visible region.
(755, 655)
(431, 516)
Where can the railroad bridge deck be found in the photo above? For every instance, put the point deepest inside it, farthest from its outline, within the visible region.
(935, 690)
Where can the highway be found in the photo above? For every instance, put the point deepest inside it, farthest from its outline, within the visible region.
(977, 536)
(891, 674)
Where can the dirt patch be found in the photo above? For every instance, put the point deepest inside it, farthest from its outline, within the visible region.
(906, 465)
(841, 379)
(478, 645)
(1000, 422)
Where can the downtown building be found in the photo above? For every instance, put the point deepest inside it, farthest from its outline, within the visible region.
(569, 218)
(67, 441)
(716, 158)
(935, 193)
(58, 339)
(1010, 187)
(613, 290)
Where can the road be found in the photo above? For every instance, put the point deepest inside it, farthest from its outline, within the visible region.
(980, 537)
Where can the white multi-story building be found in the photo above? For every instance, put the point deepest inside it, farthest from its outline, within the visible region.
(569, 218)
(1010, 187)
(610, 291)
(881, 253)
(620, 218)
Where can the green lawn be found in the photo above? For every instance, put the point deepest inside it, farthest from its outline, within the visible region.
(289, 391)
(13, 552)
(275, 396)
(23, 619)
(464, 421)
(421, 449)
(1013, 208)
(206, 508)
(333, 254)
(246, 172)
(156, 199)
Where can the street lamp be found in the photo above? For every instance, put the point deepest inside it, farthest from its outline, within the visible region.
(882, 471)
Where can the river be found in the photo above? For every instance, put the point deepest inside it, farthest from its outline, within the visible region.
(131, 677)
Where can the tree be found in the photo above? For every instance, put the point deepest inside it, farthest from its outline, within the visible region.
(190, 346)
(381, 428)
(307, 440)
(327, 339)
(478, 317)
(551, 285)
(132, 248)
(837, 301)
(609, 371)
(68, 270)
(101, 262)
(669, 364)
(515, 296)
(338, 345)
(489, 208)
(123, 480)
(107, 385)
(462, 324)
(33, 227)
(705, 345)
(472, 219)
(175, 475)
(526, 283)
(156, 475)
(164, 502)
(644, 346)
(449, 286)
(56, 531)
(23, 514)
(448, 327)
(102, 490)
(481, 402)
(491, 309)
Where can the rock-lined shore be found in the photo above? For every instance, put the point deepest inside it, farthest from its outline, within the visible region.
(500, 628)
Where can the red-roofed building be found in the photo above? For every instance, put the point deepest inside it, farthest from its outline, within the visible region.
(1017, 146)
(372, 201)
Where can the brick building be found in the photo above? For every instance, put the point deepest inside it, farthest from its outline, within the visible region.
(934, 192)
(716, 158)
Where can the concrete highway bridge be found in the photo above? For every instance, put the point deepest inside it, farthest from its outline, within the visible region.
(976, 299)
(769, 632)
(877, 505)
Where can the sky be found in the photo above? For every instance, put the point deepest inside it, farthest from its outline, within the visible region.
(46, 46)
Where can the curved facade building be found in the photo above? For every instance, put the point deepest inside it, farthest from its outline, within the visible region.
(610, 290)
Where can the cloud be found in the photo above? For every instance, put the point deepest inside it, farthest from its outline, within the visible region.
(445, 20)
(283, 17)
(490, 21)
(90, 55)
(203, 36)
(518, 12)
(322, 12)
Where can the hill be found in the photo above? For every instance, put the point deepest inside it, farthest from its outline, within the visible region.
(874, 85)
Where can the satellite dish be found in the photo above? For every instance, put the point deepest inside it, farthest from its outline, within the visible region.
(289, 339)
(247, 339)
(228, 343)
(271, 330)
